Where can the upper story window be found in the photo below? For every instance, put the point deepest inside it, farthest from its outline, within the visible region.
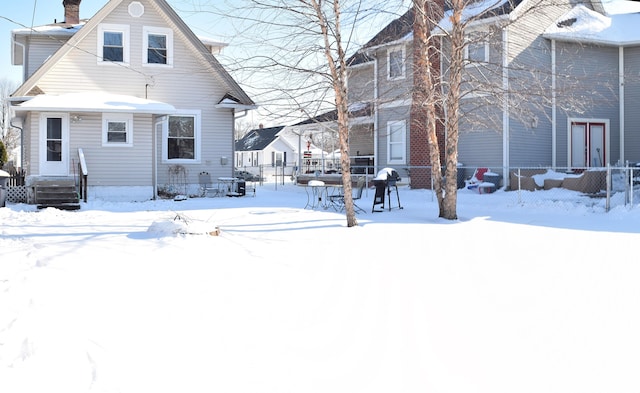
(397, 142)
(181, 140)
(158, 46)
(395, 63)
(113, 44)
(117, 129)
(476, 52)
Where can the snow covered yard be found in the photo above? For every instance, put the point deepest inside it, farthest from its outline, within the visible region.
(133, 297)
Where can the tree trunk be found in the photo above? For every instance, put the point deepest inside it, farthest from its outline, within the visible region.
(448, 209)
(338, 68)
(427, 98)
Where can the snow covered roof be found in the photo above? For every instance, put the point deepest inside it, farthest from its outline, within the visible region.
(258, 139)
(94, 102)
(54, 29)
(584, 25)
(481, 10)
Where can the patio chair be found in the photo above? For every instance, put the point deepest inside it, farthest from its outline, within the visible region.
(206, 186)
(338, 200)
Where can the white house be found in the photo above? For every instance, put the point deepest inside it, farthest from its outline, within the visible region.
(132, 94)
(280, 149)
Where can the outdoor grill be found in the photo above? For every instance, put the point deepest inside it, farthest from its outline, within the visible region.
(386, 180)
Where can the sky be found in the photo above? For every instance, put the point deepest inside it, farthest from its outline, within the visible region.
(539, 296)
(205, 18)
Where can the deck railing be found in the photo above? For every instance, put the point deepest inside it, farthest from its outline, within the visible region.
(83, 171)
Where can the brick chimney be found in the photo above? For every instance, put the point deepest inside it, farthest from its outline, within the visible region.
(71, 11)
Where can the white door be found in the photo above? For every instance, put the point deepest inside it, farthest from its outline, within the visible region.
(596, 144)
(54, 144)
(588, 144)
(578, 145)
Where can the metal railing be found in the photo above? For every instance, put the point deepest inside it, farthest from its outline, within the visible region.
(83, 172)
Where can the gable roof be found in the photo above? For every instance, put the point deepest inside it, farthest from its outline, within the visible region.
(402, 27)
(161, 6)
(258, 139)
(394, 31)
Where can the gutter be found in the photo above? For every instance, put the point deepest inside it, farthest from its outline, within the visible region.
(505, 105)
(554, 115)
(376, 132)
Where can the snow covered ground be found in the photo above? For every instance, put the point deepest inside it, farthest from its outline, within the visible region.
(139, 297)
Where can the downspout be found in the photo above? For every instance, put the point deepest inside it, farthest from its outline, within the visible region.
(376, 133)
(554, 119)
(621, 101)
(233, 139)
(155, 158)
(505, 104)
(299, 155)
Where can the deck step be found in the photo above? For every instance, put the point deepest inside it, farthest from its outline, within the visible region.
(59, 194)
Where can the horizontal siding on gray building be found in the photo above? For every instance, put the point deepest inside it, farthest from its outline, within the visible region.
(632, 104)
(385, 116)
(395, 89)
(361, 83)
(587, 89)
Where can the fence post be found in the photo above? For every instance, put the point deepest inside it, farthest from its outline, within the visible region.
(608, 202)
(630, 185)
(519, 187)
(432, 189)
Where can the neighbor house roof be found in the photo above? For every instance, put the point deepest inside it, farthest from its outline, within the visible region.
(402, 27)
(357, 109)
(394, 31)
(587, 26)
(258, 139)
(479, 11)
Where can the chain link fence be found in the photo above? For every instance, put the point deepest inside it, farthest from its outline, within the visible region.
(533, 186)
(609, 187)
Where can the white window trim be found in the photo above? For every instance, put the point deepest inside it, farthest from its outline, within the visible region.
(124, 29)
(146, 31)
(404, 62)
(197, 114)
(390, 126)
(470, 62)
(126, 118)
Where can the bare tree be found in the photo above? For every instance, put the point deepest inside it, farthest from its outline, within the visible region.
(305, 43)
(426, 98)
(511, 78)
(243, 127)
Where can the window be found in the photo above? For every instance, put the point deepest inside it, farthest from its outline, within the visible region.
(181, 141)
(395, 63)
(157, 49)
(54, 139)
(158, 46)
(276, 158)
(476, 52)
(396, 142)
(113, 44)
(182, 137)
(117, 129)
